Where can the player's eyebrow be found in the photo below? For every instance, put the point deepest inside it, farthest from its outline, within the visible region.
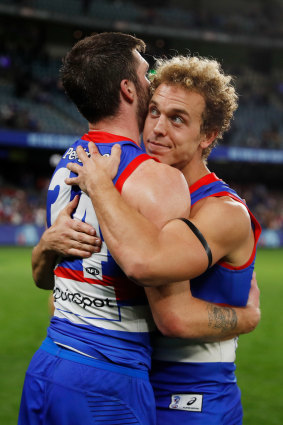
(180, 111)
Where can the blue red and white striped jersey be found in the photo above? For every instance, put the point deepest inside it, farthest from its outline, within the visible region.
(222, 284)
(98, 311)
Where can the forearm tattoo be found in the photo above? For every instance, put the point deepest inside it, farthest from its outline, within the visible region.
(222, 318)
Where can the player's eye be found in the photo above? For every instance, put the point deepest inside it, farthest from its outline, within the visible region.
(177, 119)
(153, 111)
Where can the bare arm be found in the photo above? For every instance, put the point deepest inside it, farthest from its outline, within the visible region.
(43, 262)
(134, 241)
(66, 237)
(154, 256)
(178, 314)
(130, 235)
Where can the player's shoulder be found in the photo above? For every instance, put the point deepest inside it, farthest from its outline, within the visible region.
(130, 151)
(158, 191)
(161, 173)
(223, 218)
(224, 206)
(160, 181)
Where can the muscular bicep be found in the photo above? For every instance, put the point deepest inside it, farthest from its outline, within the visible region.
(179, 253)
(226, 226)
(159, 192)
(132, 228)
(176, 255)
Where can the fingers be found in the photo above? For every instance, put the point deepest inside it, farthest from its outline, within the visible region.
(80, 253)
(84, 228)
(83, 245)
(85, 235)
(75, 168)
(254, 295)
(93, 149)
(82, 154)
(72, 181)
(79, 244)
(69, 209)
(115, 159)
(87, 249)
(116, 152)
(254, 281)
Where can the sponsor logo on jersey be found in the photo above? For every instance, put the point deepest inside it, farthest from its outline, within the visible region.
(80, 299)
(72, 154)
(188, 402)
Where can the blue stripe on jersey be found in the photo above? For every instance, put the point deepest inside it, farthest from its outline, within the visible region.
(179, 377)
(50, 347)
(224, 286)
(211, 189)
(108, 345)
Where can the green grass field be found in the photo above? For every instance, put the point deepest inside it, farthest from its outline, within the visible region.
(24, 319)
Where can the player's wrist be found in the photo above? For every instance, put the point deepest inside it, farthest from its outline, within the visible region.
(47, 242)
(249, 318)
(99, 186)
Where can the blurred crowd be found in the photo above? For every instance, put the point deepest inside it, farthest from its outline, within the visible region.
(27, 205)
(257, 17)
(266, 204)
(14, 117)
(32, 99)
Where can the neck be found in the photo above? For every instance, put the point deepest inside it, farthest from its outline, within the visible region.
(195, 170)
(120, 125)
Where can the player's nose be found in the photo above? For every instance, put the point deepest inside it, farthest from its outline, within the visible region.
(160, 127)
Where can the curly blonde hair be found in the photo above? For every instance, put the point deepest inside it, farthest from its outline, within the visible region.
(206, 77)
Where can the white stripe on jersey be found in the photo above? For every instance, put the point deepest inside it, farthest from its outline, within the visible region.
(183, 350)
(97, 305)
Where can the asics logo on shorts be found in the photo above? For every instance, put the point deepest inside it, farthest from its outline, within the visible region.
(187, 402)
(191, 401)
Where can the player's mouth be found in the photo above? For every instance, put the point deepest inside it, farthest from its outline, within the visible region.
(154, 148)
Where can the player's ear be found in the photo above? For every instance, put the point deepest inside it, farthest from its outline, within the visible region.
(128, 90)
(208, 139)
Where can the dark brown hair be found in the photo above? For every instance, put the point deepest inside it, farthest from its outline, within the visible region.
(93, 70)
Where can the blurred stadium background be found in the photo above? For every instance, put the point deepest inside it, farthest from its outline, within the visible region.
(37, 123)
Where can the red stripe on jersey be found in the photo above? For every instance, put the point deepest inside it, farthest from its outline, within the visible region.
(78, 276)
(103, 137)
(209, 178)
(130, 168)
(124, 288)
